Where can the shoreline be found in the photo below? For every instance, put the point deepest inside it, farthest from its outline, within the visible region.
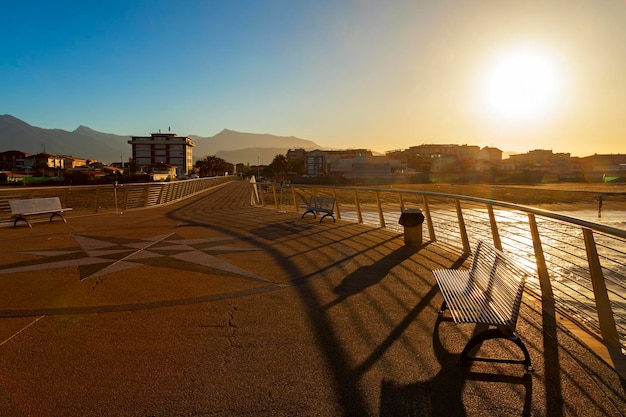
(553, 197)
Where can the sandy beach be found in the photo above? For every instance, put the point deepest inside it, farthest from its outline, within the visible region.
(554, 197)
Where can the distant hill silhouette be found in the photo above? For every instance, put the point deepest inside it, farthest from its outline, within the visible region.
(232, 146)
(82, 142)
(249, 148)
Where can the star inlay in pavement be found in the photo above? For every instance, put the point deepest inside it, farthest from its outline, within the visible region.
(99, 256)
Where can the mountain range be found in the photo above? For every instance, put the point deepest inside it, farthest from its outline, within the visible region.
(232, 146)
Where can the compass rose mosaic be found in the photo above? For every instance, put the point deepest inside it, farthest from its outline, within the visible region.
(98, 256)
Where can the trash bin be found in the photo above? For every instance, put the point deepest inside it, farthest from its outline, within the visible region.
(412, 220)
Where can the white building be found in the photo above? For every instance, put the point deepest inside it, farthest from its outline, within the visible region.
(163, 148)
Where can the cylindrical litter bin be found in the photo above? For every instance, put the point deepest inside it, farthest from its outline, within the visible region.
(412, 220)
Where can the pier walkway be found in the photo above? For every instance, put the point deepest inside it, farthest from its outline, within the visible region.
(212, 307)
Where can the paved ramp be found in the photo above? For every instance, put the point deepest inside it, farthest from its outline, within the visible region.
(213, 307)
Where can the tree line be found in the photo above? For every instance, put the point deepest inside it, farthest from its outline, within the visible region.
(280, 166)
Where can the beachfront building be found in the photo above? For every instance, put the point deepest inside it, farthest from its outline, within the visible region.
(161, 171)
(369, 169)
(458, 152)
(353, 165)
(163, 148)
(71, 162)
(12, 160)
(44, 164)
(605, 167)
(544, 164)
(320, 162)
(490, 155)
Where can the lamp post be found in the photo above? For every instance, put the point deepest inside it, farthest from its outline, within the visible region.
(115, 185)
(280, 204)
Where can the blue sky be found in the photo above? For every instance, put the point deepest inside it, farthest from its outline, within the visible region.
(345, 74)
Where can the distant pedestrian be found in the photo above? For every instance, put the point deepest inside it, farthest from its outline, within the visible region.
(600, 198)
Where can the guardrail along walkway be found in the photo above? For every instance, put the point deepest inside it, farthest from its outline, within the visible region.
(211, 306)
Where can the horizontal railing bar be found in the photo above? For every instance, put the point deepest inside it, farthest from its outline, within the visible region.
(526, 209)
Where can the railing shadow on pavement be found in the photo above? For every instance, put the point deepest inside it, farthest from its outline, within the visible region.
(442, 394)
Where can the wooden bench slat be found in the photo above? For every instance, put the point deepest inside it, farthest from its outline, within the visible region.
(490, 292)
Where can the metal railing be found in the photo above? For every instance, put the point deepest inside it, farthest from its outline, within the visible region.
(577, 265)
(91, 199)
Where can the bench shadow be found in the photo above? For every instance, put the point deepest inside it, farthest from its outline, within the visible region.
(442, 395)
(367, 276)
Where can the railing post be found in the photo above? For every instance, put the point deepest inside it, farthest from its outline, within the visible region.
(261, 194)
(275, 196)
(603, 303)
(401, 202)
(64, 200)
(429, 222)
(336, 204)
(459, 214)
(96, 201)
(126, 197)
(146, 195)
(163, 193)
(171, 192)
(494, 228)
(313, 191)
(293, 196)
(162, 189)
(542, 269)
(381, 216)
(357, 207)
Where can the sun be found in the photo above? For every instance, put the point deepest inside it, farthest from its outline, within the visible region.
(520, 86)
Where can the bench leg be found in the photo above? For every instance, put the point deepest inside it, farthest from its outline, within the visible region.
(58, 214)
(444, 307)
(495, 334)
(328, 214)
(309, 211)
(18, 218)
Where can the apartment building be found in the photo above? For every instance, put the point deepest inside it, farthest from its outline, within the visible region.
(163, 148)
(320, 162)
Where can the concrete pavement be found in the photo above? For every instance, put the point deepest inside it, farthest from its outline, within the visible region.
(213, 307)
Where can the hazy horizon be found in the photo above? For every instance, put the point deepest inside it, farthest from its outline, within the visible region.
(355, 74)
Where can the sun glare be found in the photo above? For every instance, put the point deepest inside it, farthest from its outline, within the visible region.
(520, 86)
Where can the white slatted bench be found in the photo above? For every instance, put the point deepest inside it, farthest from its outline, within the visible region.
(23, 209)
(320, 204)
(490, 293)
